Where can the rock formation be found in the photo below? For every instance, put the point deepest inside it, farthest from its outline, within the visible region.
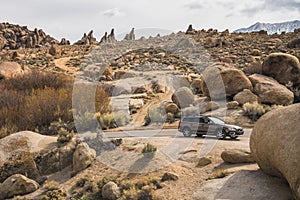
(111, 36)
(219, 82)
(183, 97)
(17, 185)
(83, 157)
(104, 38)
(87, 39)
(283, 67)
(270, 91)
(110, 191)
(275, 146)
(130, 36)
(246, 96)
(190, 30)
(10, 70)
(16, 37)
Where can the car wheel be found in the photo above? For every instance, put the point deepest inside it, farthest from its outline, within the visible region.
(220, 134)
(187, 132)
(199, 135)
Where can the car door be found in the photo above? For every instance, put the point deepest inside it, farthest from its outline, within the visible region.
(204, 124)
(194, 124)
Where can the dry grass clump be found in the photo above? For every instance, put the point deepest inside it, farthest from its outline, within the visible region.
(219, 173)
(143, 188)
(255, 110)
(149, 148)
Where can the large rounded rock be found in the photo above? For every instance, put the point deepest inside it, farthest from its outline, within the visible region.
(17, 185)
(275, 145)
(83, 157)
(236, 156)
(169, 176)
(246, 96)
(270, 91)
(171, 108)
(282, 67)
(196, 85)
(183, 97)
(295, 43)
(24, 152)
(10, 70)
(221, 82)
(110, 191)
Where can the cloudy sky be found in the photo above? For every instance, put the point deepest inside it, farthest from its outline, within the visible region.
(71, 18)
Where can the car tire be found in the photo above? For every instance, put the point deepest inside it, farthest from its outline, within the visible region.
(233, 137)
(221, 135)
(199, 135)
(187, 132)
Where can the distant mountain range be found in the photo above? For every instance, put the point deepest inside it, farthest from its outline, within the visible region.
(271, 28)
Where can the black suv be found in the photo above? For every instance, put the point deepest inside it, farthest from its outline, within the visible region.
(203, 125)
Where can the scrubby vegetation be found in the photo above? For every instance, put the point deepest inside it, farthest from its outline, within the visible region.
(37, 99)
(156, 114)
(219, 173)
(64, 136)
(139, 189)
(255, 110)
(33, 101)
(143, 188)
(149, 148)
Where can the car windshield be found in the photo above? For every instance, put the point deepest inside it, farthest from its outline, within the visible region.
(216, 120)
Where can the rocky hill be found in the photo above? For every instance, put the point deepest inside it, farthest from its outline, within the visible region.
(15, 36)
(271, 28)
(154, 81)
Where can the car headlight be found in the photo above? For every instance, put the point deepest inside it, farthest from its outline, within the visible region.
(230, 129)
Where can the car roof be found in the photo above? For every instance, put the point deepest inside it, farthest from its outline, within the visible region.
(193, 116)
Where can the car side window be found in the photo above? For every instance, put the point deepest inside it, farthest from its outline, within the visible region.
(201, 120)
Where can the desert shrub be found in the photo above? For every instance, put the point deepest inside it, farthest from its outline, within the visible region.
(149, 148)
(170, 118)
(112, 120)
(131, 193)
(272, 107)
(156, 114)
(141, 189)
(220, 173)
(121, 119)
(58, 194)
(64, 136)
(106, 121)
(254, 110)
(51, 185)
(86, 122)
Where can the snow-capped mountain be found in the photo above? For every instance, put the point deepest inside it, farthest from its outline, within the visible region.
(271, 28)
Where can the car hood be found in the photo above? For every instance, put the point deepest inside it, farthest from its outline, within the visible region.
(232, 126)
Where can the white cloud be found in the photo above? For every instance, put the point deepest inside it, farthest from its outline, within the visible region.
(194, 5)
(114, 12)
